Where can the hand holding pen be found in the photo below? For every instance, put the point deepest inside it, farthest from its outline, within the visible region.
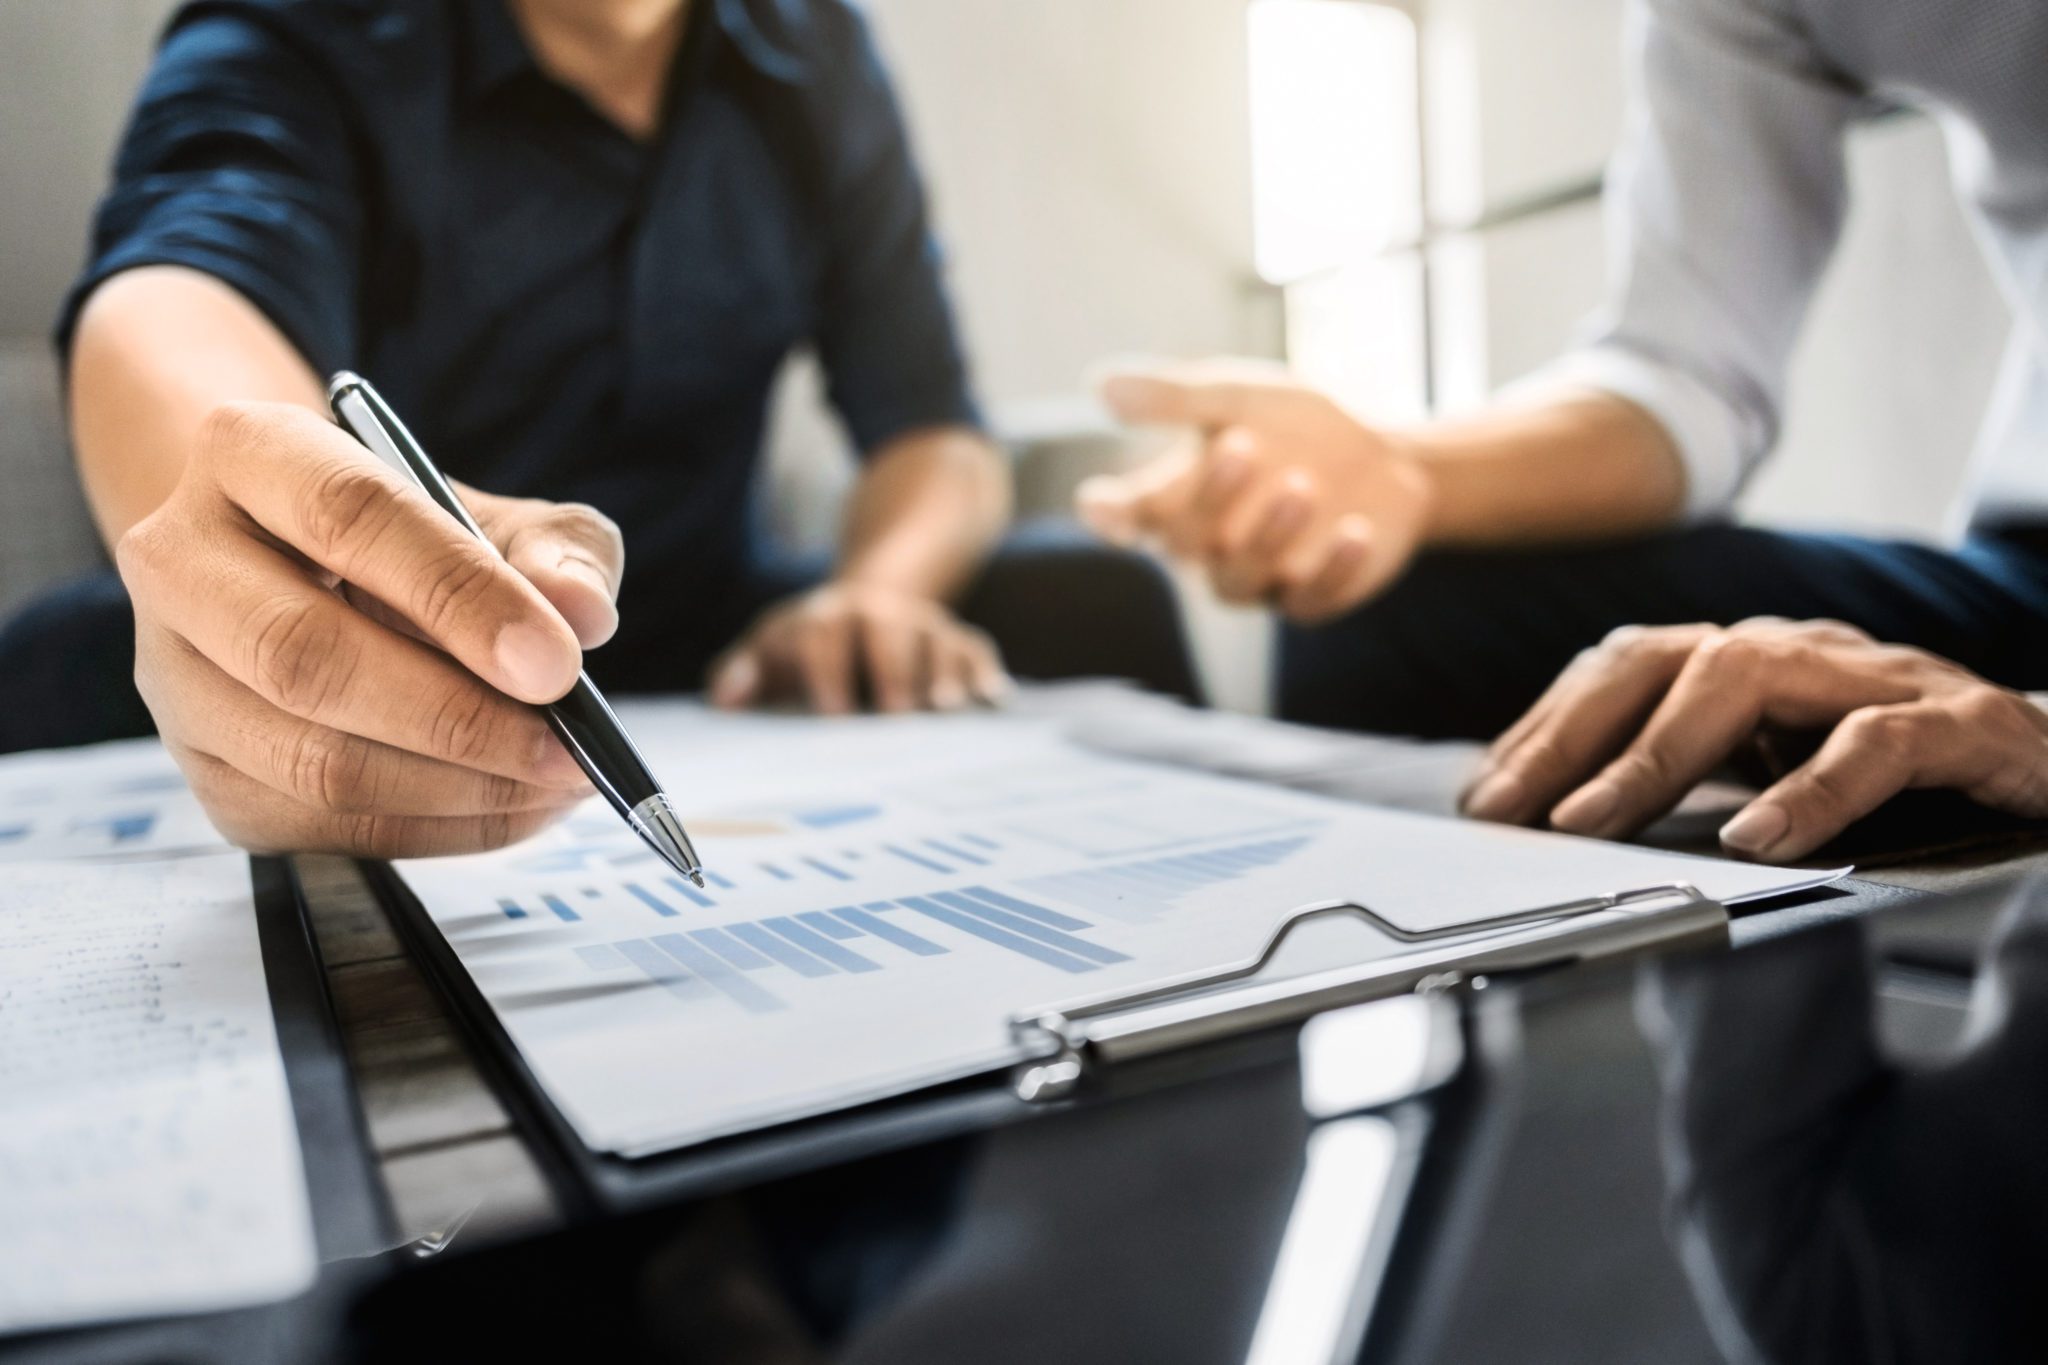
(581, 718)
(278, 592)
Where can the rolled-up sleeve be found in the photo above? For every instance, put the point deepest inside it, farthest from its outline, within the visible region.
(886, 332)
(237, 162)
(1724, 204)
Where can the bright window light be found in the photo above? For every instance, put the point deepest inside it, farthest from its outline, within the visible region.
(1336, 173)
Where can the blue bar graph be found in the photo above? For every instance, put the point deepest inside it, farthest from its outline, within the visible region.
(650, 900)
(825, 924)
(732, 950)
(981, 841)
(1051, 918)
(875, 926)
(1146, 888)
(662, 969)
(119, 828)
(602, 957)
(725, 963)
(958, 855)
(512, 909)
(818, 946)
(561, 909)
(917, 859)
(828, 869)
(1030, 928)
(690, 893)
(833, 817)
(780, 949)
(718, 975)
(1002, 938)
(720, 882)
(772, 870)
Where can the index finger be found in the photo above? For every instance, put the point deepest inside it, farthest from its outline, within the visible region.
(1730, 684)
(1584, 718)
(312, 487)
(1187, 396)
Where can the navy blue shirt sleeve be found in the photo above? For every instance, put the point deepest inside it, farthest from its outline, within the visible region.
(237, 161)
(886, 332)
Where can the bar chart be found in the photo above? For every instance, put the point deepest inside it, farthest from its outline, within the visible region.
(703, 955)
(741, 960)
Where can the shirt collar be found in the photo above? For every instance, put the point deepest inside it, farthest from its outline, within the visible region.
(764, 32)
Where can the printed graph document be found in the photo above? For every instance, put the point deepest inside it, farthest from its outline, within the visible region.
(148, 1158)
(124, 799)
(885, 893)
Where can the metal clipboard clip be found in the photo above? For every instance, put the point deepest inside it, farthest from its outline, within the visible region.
(1070, 1038)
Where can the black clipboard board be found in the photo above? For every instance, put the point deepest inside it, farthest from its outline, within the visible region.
(352, 1217)
(593, 1184)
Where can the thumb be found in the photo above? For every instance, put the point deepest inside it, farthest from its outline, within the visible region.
(1108, 505)
(1158, 398)
(736, 679)
(1217, 393)
(571, 553)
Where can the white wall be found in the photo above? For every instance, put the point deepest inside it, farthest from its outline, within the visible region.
(1890, 378)
(67, 73)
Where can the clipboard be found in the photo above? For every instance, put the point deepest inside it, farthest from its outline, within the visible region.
(1087, 1051)
(352, 1218)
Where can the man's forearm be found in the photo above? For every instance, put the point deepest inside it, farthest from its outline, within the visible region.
(1579, 467)
(925, 512)
(156, 350)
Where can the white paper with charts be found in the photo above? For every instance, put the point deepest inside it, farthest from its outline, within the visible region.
(149, 1162)
(885, 893)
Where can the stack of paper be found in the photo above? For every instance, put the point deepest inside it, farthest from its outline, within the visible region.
(149, 1162)
(886, 893)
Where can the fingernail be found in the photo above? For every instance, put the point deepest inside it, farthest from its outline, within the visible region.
(948, 695)
(535, 662)
(1756, 830)
(1496, 798)
(1589, 809)
(585, 573)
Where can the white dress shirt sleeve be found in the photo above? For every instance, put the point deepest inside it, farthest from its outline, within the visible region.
(1724, 203)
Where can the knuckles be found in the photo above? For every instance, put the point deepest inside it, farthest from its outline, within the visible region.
(333, 772)
(293, 655)
(463, 727)
(451, 589)
(343, 504)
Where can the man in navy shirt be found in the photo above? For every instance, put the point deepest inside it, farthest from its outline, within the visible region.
(573, 241)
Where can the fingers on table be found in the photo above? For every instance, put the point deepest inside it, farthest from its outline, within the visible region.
(1983, 743)
(1586, 717)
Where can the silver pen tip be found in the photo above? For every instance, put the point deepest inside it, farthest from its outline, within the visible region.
(655, 821)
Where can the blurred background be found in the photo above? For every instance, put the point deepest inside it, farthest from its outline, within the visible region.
(1400, 200)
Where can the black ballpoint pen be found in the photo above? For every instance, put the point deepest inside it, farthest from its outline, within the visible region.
(582, 719)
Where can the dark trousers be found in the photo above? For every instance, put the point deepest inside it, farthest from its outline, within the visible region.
(1060, 604)
(1468, 640)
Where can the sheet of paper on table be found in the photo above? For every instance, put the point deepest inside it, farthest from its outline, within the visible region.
(885, 893)
(125, 799)
(149, 1162)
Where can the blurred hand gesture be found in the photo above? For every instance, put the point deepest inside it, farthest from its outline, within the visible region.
(1280, 495)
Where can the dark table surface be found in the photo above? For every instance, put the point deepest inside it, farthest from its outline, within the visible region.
(1704, 1159)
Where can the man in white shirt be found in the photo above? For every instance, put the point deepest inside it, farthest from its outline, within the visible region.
(1454, 569)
